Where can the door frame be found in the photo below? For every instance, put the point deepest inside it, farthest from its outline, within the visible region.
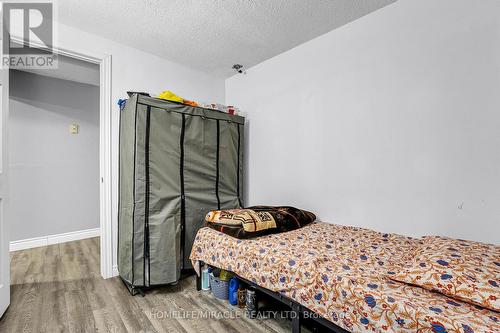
(4, 190)
(105, 151)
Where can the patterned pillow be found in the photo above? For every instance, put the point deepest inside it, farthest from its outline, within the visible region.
(465, 270)
(252, 221)
(258, 221)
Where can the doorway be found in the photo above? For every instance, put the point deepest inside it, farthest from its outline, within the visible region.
(107, 188)
(54, 154)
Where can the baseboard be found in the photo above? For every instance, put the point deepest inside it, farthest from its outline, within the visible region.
(30, 243)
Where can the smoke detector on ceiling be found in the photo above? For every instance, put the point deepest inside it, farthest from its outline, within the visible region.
(239, 69)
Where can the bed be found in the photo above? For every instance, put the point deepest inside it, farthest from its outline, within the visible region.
(341, 273)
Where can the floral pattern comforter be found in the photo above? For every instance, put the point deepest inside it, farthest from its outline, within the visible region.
(341, 273)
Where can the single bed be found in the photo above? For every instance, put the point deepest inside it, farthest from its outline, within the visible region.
(341, 273)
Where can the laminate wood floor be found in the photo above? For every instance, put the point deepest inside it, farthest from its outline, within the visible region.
(58, 288)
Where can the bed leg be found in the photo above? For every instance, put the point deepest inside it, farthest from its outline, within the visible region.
(295, 318)
(198, 277)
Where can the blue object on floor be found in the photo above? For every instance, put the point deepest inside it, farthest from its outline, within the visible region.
(233, 291)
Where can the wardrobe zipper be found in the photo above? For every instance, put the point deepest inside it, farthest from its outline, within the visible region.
(217, 166)
(183, 197)
(146, 274)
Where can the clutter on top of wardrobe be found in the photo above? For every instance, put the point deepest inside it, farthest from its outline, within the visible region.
(170, 96)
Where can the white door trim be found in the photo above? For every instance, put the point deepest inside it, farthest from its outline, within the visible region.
(105, 159)
(4, 184)
(105, 169)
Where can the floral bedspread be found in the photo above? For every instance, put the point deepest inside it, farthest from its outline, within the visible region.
(340, 272)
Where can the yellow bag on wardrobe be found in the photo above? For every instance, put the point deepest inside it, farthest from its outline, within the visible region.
(170, 96)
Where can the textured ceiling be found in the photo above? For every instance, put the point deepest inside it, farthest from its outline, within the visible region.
(212, 35)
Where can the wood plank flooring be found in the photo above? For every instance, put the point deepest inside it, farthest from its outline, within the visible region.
(58, 288)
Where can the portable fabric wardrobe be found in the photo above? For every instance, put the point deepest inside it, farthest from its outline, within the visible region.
(176, 163)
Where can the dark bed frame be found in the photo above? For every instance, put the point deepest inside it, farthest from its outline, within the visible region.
(299, 310)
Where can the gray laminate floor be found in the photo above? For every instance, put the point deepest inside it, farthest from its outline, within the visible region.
(58, 288)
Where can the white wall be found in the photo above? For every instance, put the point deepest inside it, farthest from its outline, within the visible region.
(391, 122)
(54, 175)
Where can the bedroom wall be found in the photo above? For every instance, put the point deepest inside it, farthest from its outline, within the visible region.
(391, 122)
(54, 175)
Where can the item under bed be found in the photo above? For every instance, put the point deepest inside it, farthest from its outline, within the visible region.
(341, 273)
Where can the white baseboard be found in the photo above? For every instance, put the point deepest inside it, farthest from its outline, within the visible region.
(30, 243)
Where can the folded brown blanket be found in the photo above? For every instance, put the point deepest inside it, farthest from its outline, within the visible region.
(258, 220)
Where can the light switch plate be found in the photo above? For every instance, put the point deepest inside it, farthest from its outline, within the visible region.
(73, 129)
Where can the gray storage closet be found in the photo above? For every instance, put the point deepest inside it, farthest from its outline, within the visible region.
(176, 163)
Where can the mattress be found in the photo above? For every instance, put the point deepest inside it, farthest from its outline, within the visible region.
(341, 273)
